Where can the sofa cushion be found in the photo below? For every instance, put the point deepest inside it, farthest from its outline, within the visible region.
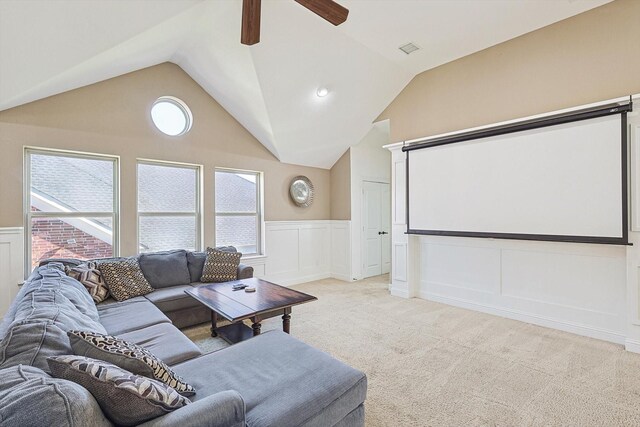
(125, 398)
(224, 409)
(125, 316)
(172, 299)
(283, 381)
(164, 269)
(124, 278)
(189, 316)
(48, 305)
(30, 397)
(52, 279)
(59, 299)
(196, 261)
(128, 356)
(220, 266)
(91, 278)
(165, 341)
(31, 343)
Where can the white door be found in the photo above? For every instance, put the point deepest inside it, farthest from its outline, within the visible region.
(376, 212)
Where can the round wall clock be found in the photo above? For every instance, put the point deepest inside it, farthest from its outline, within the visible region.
(301, 191)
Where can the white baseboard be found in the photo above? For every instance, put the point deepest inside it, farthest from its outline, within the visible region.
(562, 325)
(397, 292)
(343, 277)
(632, 345)
(299, 279)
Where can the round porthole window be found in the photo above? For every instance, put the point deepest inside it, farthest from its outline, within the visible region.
(171, 116)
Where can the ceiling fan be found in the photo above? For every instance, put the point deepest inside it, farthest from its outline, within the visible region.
(327, 9)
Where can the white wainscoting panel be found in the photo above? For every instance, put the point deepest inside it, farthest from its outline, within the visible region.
(466, 268)
(11, 265)
(341, 250)
(282, 243)
(258, 263)
(314, 246)
(578, 288)
(297, 251)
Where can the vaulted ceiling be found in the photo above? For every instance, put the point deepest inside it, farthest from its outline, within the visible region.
(48, 47)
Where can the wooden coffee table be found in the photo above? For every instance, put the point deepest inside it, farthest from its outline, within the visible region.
(269, 300)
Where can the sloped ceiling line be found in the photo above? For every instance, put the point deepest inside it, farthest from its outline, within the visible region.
(269, 87)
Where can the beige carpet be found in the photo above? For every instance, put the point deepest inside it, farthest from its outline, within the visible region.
(430, 364)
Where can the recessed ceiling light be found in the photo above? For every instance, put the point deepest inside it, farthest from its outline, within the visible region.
(322, 92)
(408, 48)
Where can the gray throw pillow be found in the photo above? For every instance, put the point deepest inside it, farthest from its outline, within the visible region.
(91, 278)
(164, 269)
(124, 278)
(125, 398)
(126, 355)
(220, 266)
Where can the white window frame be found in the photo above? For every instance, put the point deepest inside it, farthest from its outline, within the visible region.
(182, 106)
(29, 214)
(199, 202)
(258, 214)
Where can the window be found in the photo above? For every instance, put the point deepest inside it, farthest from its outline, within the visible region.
(171, 116)
(239, 210)
(71, 205)
(168, 206)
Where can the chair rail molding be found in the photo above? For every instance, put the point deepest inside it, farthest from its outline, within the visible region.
(11, 265)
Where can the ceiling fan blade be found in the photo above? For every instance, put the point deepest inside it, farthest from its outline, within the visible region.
(250, 22)
(327, 9)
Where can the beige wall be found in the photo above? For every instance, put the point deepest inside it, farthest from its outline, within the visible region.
(112, 117)
(590, 57)
(341, 187)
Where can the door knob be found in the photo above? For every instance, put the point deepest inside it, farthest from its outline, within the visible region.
(382, 232)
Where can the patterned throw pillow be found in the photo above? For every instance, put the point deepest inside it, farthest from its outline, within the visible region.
(124, 278)
(220, 266)
(125, 398)
(127, 356)
(89, 275)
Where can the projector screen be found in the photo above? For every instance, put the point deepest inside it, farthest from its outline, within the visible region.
(564, 182)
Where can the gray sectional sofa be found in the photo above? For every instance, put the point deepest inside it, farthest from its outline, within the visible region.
(170, 273)
(269, 380)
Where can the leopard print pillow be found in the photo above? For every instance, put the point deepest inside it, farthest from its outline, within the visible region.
(124, 278)
(220, 266)
(126, 355)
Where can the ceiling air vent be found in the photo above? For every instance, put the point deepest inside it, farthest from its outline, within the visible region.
(408, 48)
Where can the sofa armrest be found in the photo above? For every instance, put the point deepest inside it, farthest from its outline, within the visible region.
(245, 271)
(223, 409)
